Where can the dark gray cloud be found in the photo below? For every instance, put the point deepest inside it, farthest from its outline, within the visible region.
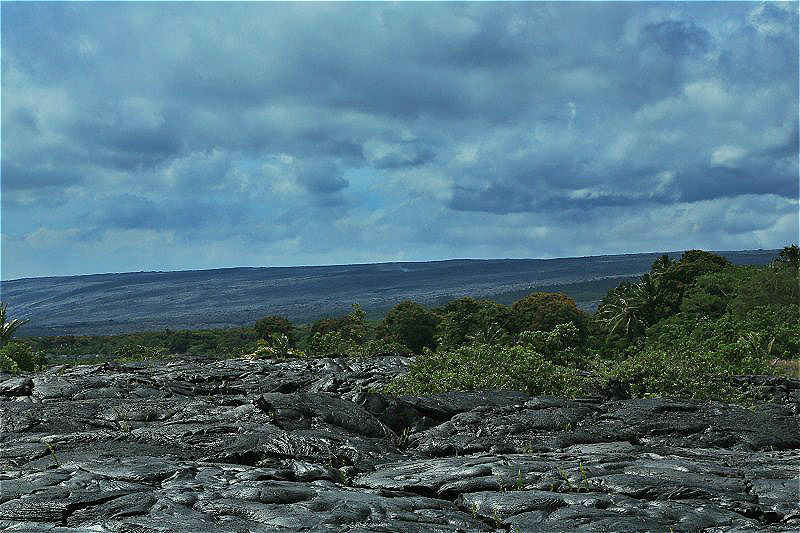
(197, 215)
(493, 199)
(16, 177)
(346, 132)
(320, 177)
(676, 37)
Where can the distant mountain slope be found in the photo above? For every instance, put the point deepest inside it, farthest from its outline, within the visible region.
(141, 301)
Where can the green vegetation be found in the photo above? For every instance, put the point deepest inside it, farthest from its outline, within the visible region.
(467, 320)
(16, 356)
(680, 330)
(411, 325)
(484, 366)
(543, 311)
(705, 320)
(219, 343)
(272, 325)
(8, 327)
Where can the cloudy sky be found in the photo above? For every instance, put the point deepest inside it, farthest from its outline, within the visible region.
(165, 136)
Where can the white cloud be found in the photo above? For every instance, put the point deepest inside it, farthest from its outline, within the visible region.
(708, 94)
(726, 155)
(46, 238)
(773, 18)
(618, 150)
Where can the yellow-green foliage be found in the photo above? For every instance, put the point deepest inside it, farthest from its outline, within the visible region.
(7, 364)
(16, 356)
(277, 345)
(483, 366)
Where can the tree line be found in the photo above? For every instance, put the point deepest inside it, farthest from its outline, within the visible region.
(685, 321)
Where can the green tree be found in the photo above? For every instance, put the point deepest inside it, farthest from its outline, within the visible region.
(543, 311)
(269, 325)
(789, 255)
(711, 294)
(678, 276)
(562, 345)
(778, 285)
(412, 325)
(660, 266)
(466, 320)
(351, 327)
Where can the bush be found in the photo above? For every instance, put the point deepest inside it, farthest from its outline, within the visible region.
(331, 343)
(7, 364)
(777, 326)
(542, 311)
(790, 255)
(483, 367)
(411, 325)
(562, 345)
(466, 320)
(16, 356)
(775, 285)
(269, 325)
(337, 343)
(137, 352)
(691, 356)
(679, 374)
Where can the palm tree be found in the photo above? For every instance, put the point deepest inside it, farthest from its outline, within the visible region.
(7, 327)
(630, 308)
(660, 266)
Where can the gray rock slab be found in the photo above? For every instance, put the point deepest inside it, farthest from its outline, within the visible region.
(315, 445)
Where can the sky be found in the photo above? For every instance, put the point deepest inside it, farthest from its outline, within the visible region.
(171, 136)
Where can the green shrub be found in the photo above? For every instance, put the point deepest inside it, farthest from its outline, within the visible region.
(563, 345)
(775, 285)
(411, 325)
(778, 327)
(711, 294)
(7, 364)
(337, 343)
(790, 255)
(679, 374)
(331, 343)
(680, 275)
(690, 356)
(379, 346)
(16, 356)
(137, 352)
(483, 367)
